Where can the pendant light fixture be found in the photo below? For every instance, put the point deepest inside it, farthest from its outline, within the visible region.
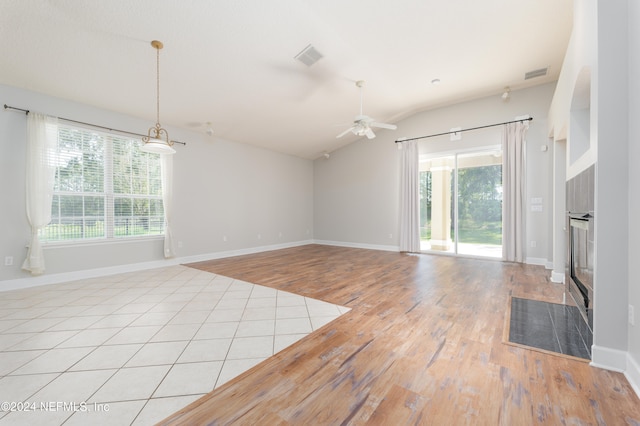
(157, 139)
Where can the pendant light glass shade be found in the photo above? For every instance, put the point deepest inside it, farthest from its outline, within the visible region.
(157, 140)
(157, 146)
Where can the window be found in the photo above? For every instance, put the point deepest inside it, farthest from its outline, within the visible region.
(105, 188)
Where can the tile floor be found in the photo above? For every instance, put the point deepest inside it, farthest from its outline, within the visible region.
(551, 326)
(131, 349)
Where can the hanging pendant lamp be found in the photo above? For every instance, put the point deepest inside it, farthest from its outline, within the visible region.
(157, 139)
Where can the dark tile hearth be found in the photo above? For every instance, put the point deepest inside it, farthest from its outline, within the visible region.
(550, 326)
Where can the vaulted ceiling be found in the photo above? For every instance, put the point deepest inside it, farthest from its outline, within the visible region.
(231, 63)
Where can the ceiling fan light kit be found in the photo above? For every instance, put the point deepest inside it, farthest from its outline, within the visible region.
(362, 124)
(157, 140)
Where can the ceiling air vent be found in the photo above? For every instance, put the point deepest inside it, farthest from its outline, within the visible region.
(308, 56)
(536, 73)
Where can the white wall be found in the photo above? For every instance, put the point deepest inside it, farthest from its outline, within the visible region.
(580, 60)
(221, 189)
(611, 196)
(634, 180)
(605, 41)
(356, 194)
(356, 189)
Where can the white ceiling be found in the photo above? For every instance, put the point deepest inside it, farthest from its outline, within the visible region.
(230, 62)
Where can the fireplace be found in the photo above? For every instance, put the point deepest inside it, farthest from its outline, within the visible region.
(580, 263)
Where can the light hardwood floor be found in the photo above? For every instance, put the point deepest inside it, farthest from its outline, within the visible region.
(422, 344)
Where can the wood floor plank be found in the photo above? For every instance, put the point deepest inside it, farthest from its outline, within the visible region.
(422, 344)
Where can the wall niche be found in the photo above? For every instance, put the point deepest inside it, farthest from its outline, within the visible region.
(580, 117)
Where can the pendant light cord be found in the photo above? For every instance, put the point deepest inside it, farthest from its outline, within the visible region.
(158, 86)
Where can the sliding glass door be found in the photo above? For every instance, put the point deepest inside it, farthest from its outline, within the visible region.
(461, 203)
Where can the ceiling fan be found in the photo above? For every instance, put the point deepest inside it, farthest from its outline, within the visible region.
(362, 124)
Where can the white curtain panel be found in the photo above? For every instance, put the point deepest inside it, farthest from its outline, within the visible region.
(513, 183)
(42, 140)
(409, 198)
(166, 170)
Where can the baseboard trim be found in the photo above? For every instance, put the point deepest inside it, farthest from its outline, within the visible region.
(536, 261)
(47, 279)
(242, 252)
(620, 361)
(632, 373)
(557, 277)
(40, 280)
(609, 359)
(357, 245)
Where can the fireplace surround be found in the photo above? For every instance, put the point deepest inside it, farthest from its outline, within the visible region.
(580, 243)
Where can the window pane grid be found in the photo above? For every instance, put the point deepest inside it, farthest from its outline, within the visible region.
(138, 216)
(105, 187)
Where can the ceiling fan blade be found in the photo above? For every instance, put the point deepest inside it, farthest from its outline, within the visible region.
(383, 125)
(369, 133)
(350, 129)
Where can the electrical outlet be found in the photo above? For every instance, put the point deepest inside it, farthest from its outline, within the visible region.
(8, 261)
(533, 244)
(390, 236)
(632, 315)
(259, 236)
(224, 238)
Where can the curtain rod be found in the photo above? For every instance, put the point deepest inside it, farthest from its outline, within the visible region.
(464, 130)
(26, 111)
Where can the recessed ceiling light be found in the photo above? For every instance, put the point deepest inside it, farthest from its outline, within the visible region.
(435, 81)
